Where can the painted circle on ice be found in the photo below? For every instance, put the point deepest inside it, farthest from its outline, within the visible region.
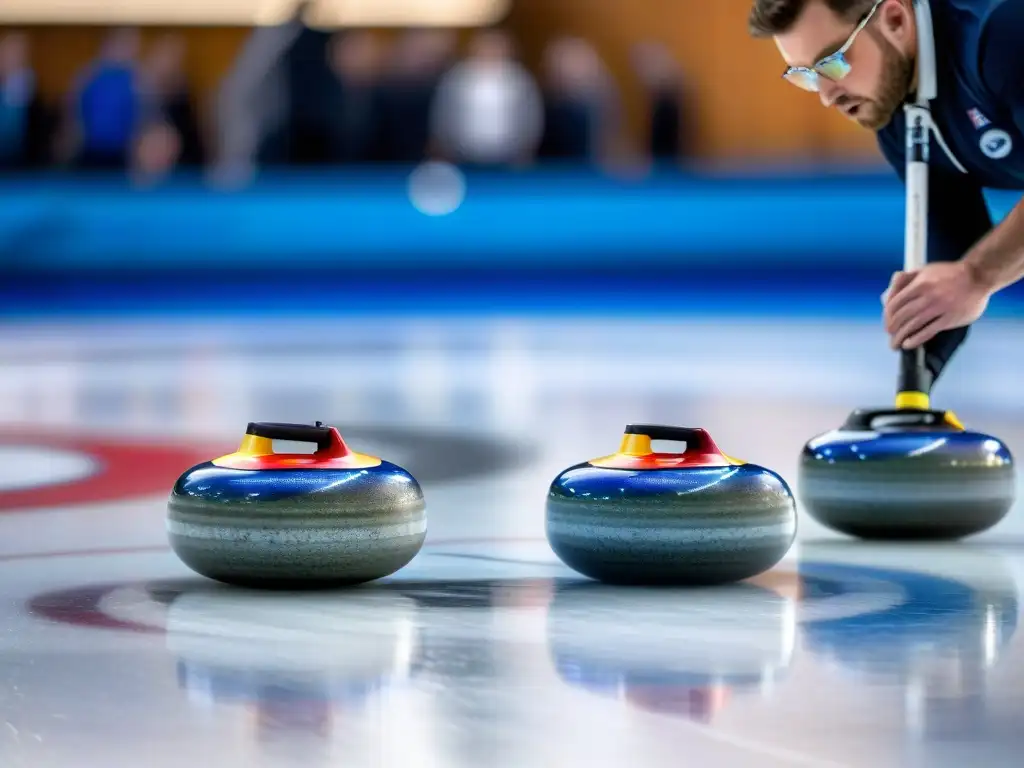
(47, 470)
(33, 466)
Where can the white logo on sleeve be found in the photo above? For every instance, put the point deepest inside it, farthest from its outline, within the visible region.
(996, 144)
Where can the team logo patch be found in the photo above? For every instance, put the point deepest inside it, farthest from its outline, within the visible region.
(996, 144)
(978, 119)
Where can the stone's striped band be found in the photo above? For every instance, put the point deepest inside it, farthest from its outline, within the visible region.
(299, 535)
(674, 535)
(875, 487)
(294, 514)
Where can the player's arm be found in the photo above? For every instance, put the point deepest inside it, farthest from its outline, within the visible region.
(947, 296)
(998, 260)
(958, 218)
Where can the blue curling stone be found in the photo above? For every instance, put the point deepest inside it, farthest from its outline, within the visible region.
(906, 474)
(690, 518)
(262, 519)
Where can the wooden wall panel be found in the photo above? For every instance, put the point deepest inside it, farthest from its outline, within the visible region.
(743, 109)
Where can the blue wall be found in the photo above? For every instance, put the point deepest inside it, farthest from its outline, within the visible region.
(64, 240)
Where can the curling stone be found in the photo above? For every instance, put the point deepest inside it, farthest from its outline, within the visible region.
(263, 519)
(906, 473)
(691, 518)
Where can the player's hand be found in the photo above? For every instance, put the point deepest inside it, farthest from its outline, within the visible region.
(940, 296)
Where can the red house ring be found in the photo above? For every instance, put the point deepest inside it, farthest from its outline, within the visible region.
(123, 469)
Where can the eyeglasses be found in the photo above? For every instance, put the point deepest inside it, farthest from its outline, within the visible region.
(833, 67)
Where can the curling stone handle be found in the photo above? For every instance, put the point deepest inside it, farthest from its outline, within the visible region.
(863, 420)
(914, 373)
(915, 380)
(324, 437)
(697, 440)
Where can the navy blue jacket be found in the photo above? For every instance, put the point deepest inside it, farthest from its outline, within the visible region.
(979, 110)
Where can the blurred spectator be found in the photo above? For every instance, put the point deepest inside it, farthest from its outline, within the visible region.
(489, 109)
(669, 136)
(252, 103)
(167, 99)
(420, 61)
(355, 118)
(581, 108)
(105, 105)
(25, 124)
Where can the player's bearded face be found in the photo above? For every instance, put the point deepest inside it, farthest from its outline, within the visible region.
(895, 74)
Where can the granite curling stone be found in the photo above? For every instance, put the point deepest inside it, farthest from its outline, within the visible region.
(261, 519)
(691, 518)
(906, 474)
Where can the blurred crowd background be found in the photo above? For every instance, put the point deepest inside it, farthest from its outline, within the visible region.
(485, 152)
(297, 96)
(570, 84)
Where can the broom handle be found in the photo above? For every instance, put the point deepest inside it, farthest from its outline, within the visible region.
(914, 375)
(915, 380)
